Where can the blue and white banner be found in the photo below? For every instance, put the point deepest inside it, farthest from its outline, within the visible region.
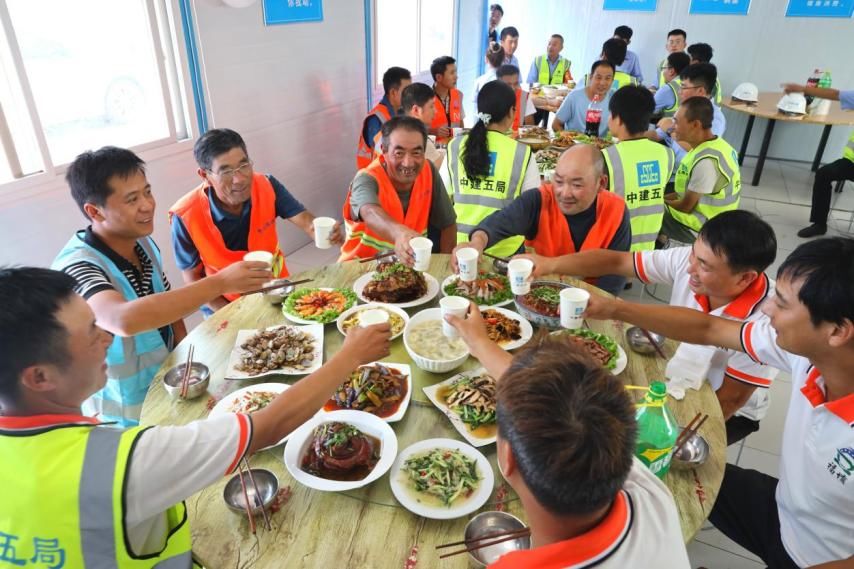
(725, 7)
(292, 11)
(635, 5)
(820, 8)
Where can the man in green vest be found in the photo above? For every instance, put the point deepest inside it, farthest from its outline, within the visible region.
(708, 181)
(676, 41)
(638, 168)
(614, 50)
(77, 493)
(667, 98)
(549, 69)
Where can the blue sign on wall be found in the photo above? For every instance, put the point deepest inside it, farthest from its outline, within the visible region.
(820, 8)
(728, 7)
(636, 5)
(292, 11)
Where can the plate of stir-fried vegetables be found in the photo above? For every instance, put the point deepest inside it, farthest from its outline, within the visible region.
(441, 479)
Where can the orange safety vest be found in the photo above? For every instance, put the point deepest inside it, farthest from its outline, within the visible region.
(520, 110)
(364, 154)
(362, 242)
(194, 209)
(553, 235)
(450, 118)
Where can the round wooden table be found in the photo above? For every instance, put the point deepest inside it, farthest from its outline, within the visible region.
(367, 527)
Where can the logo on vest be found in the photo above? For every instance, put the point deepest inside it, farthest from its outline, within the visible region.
(649, 174)
(493, 158)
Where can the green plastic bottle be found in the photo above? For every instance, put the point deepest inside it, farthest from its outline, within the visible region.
(657, 430)
(826, 80)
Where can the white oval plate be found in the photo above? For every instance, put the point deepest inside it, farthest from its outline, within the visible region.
(231, 371)
(404, 405)
(398, 481)
(359, 307)
(365, 422)
(432, 291)
(526, 329)
(298, 320)
(452, 278)
(432, 393)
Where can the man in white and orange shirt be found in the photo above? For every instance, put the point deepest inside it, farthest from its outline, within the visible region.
(806, 518)
(233, 211)
(449, 99)
(721, 274)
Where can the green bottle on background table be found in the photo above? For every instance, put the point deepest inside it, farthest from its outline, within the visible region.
(657, 430)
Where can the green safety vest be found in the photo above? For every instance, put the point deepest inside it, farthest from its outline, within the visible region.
(710, 205)
(546, 77)
(64, 499)
(661, 67)
(849, 148)
(474, 199)
(638, 171)
(674, 86)
(716, 93)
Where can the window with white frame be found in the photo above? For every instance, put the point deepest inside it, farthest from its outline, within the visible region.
(76, 76)
(411, 34)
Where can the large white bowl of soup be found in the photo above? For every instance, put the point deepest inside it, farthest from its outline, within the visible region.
(428, 347)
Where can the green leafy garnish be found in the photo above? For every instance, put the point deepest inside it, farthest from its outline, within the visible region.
(289, 306)
(547, 294)
(605, 341)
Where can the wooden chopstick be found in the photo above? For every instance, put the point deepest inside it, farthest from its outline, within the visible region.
(248, 506)
(689, 432)
(654, 343)
(188, 370)
(496, 257)
(488, 536)
(278, 285)
(377, 256)
(507, 537)
(258, 495)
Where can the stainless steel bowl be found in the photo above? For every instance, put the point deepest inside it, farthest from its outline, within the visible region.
(200, 378)
(550, 322)
(499, 266)
(488, 523)
(694, 452)
(640, 343)
(278, 295)
(268, 486)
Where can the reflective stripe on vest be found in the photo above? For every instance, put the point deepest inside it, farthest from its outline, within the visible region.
(710, 205)
(476, 199)
(132, 362)
(455, 113)
(194, 209)
(849, 148)
(675, 85)
(362, 242)
(639, 170)
(83, 470)
(545, 76)
(365, 153)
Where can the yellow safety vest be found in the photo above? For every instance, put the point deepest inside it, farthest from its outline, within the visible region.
(716, 92)
(849, 148)
(621, 79)
(545, 76)
(710, 205)
(638, 171)
(63, 497)
(476, 199)
(674, 86)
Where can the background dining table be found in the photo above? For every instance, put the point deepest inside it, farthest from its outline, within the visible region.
(368, 527)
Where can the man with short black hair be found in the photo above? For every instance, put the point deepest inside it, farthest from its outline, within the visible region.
(614, 50)
(417, 101)
(525, 110)
(667, 97)
(510, 42)
(722, 274)
(631, 64)
(395, 80)
(676, 42)
(448, 99)
(496, 12)
(702, 53)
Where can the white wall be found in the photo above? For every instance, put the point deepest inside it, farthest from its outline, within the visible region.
(764, 48)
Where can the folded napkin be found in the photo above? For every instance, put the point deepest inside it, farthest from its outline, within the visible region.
(688, 368)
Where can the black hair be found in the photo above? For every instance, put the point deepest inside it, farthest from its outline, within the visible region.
(746, 240)
(570, 425)
(496, 98)
(495, 55)
(698, 109)
(558, 36)
(440, 64)
(498, 7)
(677, 32)
(508, 31)
(216, 142)
(89, 175)
(415, 94)
(634, 105)
(30, 333)
(701, 52)
(600, 63)
(624, 32)
(702, 75)
(403, 122)
(614, 50)
(678, 61)
(507, 70)
(827, 268)
(393, 77)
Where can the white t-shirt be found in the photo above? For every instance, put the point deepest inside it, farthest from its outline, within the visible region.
(706, 178)
(670, 266)
(170, 463)
(815, 496)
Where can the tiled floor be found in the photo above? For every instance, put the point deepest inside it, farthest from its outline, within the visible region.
(782, 199)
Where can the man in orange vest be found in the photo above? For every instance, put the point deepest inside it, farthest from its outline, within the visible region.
(398, 197)
(573, 213)
(395, 80)
(449, 100)
(233, 211)
(525, 109)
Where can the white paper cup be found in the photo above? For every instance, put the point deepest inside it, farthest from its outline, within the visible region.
(259, 256)
(457, 131)
(323, 231)
(456, 305)
(573, 302)
(467, 262)
(372, 316)
(518, 271)
(422, 248)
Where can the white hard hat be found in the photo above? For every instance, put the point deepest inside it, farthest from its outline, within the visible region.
(793, 104)
(747, 92)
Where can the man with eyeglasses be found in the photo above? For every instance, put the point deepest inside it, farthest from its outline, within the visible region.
(233, 211)
(667, 98)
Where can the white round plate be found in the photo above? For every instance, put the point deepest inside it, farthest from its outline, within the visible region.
(451, 278)
(223, 406)
(622, 361)
(399, 481)
(526, 329)
(365, 422)
(432, 291)
(298, 320)
(359, 307)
